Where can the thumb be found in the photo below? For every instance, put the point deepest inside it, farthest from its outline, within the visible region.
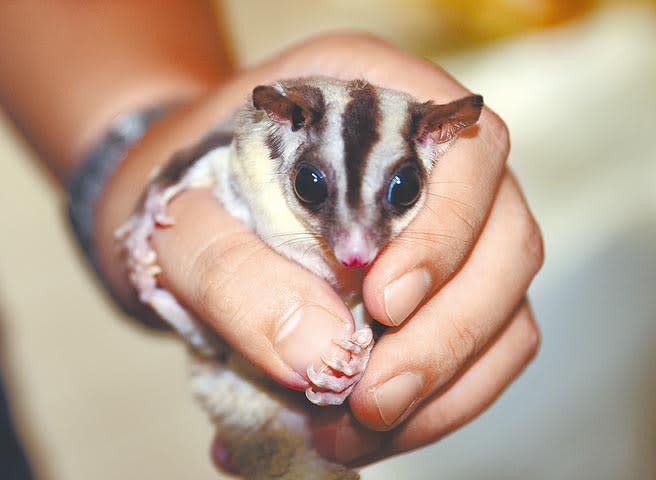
(280, 316)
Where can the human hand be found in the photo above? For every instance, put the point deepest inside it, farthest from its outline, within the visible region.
(472, 331)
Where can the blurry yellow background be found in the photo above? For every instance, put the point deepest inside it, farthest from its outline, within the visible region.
(98, 398)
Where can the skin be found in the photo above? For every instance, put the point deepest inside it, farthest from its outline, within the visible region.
(469, 336)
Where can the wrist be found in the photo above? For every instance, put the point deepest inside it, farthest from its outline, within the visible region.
(87, 181)
(124, 188)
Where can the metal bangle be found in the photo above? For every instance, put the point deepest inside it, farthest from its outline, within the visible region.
(88, 181)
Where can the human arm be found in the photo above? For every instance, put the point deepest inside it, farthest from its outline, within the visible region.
(69, 68)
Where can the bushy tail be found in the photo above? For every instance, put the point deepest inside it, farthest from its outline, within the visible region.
(275, 454)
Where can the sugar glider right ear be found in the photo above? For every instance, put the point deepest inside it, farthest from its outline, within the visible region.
(441, 123)
(296, 108)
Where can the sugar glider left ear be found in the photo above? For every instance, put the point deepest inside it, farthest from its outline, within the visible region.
(441, 123)
(284, 107)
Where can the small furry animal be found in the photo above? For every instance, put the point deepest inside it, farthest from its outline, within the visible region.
(344, 163)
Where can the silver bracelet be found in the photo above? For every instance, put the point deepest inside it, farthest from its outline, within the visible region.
(88, 181)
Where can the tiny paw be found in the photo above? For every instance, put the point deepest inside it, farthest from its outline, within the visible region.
(360, 340)
(160, 215)
(334, 383)
(328, 398)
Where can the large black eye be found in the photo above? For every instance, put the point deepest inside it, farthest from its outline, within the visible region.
(403, 189)
(310, 185)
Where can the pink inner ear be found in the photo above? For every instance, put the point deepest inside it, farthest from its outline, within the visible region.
(444, 133)
(275, 104)
(281, 107)
(279, 113)
(441, 123)
(264, 95)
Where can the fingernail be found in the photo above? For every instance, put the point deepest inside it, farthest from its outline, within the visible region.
(404, 294)
(306, 335)
(396, 396)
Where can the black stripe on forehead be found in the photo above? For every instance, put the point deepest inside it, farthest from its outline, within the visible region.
(360, 132)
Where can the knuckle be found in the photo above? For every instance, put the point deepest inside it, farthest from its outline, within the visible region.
(499, 133)
(470, 220)
(214, 270)
(532, 242)
(454, 224)
(533, 338)
(210, 291)
(464, 342)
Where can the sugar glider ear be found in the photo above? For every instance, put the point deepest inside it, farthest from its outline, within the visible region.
(441, 123)
(287, 107)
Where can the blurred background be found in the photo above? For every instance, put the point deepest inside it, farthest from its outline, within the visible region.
(97, 398)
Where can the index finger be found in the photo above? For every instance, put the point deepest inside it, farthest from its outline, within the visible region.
(461, 189)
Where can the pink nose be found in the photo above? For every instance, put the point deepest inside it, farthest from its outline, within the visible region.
(355, 249)
(355, 262)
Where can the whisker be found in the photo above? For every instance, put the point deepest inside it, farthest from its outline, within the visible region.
(304, 239)
(414, 242)
(438, 182)
(451, 199)
(431, 236)
(429, 208)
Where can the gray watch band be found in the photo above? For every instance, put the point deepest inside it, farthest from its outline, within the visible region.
(88, 180)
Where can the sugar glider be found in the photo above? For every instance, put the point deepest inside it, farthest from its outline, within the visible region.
(345, 164)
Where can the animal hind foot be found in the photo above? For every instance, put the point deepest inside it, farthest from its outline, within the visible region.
(335, 381)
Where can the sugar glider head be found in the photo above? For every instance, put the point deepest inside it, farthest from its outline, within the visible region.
(354, 159)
